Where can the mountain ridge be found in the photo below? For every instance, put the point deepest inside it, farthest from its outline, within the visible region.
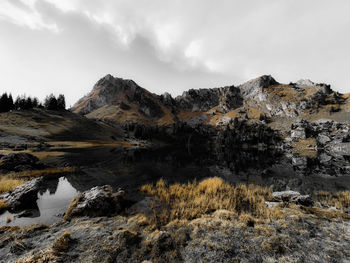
(123, 100)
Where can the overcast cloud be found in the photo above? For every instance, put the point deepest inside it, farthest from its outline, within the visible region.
(65, 46)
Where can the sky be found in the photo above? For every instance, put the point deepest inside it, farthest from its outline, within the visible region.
(66, 46)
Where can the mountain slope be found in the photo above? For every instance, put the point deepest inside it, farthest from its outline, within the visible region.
(125, 102)
(39, 124)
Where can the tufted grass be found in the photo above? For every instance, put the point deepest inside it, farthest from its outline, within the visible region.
(7, 184)
(192, 200)
(340, 200)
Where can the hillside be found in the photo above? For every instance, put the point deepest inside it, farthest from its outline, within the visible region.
(124, 101)
(44, 125)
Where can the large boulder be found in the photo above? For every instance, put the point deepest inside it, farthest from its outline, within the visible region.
(22, 197)
(98, 201)
(19, 162)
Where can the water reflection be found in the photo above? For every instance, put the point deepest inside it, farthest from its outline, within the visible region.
(50, 205)
(131, 168)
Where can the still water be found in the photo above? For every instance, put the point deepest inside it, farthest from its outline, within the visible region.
(131, 168)
(51, 205)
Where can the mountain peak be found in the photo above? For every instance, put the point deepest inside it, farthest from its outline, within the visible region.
(305, 82)
(256, 86)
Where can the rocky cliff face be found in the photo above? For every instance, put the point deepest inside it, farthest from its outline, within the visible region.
(261, 98)
(226, 98)
(110, 91)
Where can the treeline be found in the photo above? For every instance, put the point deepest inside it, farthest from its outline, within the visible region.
(25, 103)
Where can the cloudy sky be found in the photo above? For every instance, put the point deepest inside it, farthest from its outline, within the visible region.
(65, 46)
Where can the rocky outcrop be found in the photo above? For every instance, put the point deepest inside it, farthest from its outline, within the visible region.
(255, 89)
(119, 92)
(227, 98)
(22, 197)
(98, 201)
(329, 134)
(292, 196)
(281, 100)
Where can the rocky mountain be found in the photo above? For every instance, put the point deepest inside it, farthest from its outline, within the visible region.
(259, 99)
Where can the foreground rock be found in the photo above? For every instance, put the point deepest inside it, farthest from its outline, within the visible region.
(98, 201)
(22, 197)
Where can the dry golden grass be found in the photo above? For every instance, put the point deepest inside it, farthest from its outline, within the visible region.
(87, 144)
(41, 155)
(9, 184)
(61, 244)
(168, 118)
(53, 254)
(3, 205)
(187, 115)
(283, 92)
(340, 200)
(305, 147)
(251, 112)
(44, 256)
(192, 200)
(10, 181)
(71, 207)
(30, 174)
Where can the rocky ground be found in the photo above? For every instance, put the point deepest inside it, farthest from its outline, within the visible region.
(301, 231)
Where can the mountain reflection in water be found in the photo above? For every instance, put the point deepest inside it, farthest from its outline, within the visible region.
(131, 168)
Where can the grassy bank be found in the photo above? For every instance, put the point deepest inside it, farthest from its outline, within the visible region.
(197, 199)
(192, 200)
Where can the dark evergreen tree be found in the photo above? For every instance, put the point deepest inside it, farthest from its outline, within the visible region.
(35, 103)
(6, 102)
(61, 102)
(50, 102)
(10, 102)
(16, 104)
(3, 102)
(28, 103)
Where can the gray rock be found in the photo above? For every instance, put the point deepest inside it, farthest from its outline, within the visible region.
(305, 82)
(299, 161)
(271, 204)
(324, 158)
(285, 195)
(254, 88)
(323, 139)
(298, 133)
(292, 196)
(22, 197)
(98, 201)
